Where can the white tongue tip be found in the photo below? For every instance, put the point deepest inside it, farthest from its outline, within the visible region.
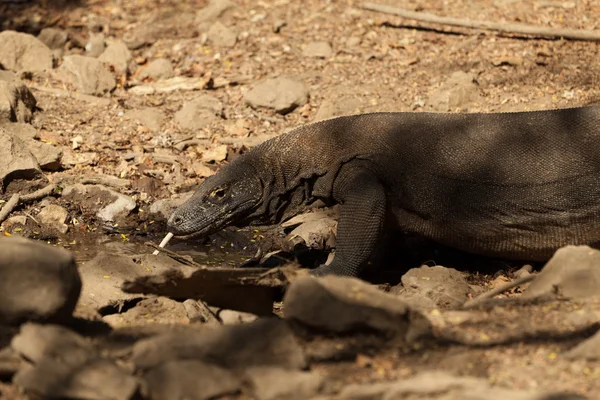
(163, 243)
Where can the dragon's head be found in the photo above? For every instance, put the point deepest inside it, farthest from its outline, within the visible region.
(221, 200)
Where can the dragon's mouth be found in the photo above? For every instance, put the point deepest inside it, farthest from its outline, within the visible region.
(214, 222)
(204, 231)
(212, 226)
(193, 235)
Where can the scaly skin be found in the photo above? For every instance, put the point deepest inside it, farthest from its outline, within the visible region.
(512, 185)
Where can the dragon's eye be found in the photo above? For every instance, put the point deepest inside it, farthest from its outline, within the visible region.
(219, 193)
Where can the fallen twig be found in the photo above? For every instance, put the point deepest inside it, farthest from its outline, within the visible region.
(175, 256)
(106, 180)
(38, 194)
(191, 142)
(513, 28)
(494, 292)
(17, 199)
(9, 206)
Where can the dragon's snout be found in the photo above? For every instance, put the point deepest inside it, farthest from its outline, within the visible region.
(175, 223)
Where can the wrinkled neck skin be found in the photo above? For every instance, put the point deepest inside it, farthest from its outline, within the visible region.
(280, 201)
(276, 208)
(288, 181)
(300, 166)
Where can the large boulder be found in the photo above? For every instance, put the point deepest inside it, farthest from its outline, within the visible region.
(87, 74)
(24, 52)
(265, 342)
(65, 365)
(573, 272)
(37, 282)
(343, 305)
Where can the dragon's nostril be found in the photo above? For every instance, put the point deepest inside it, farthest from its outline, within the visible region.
(175, 220)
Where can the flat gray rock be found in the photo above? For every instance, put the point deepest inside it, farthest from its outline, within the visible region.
(442, 386)
(16, 161)
(318, 50)
(458, 93)
(118, 56)
(105, 203)
(164, 24)
(104, 274)
(99, 379)
(36, 342)
(280, 94)
(265, 342)
(200, 112)
(48, 156)
(37, 282)
(270, 383)
(24, 52)
(87, 74)
(158, 69)
(573, 272)
(52, 218)
(155, 310)
(348, 305)
(446, 287)
(152, 118)
(220, 35)
(189, 380)
(22, 130)
(343, 105)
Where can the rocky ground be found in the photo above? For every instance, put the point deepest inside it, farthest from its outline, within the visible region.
(111, 112)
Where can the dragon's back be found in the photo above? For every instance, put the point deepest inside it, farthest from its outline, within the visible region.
(509, 184)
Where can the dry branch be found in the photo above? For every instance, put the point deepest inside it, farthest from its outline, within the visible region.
(513, 28)
(9, 206)
(39, 194)
(500, 289)
(17, 199)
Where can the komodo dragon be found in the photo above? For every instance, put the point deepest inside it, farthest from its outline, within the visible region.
(511, 185)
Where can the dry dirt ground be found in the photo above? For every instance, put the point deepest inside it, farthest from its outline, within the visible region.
(350, 61)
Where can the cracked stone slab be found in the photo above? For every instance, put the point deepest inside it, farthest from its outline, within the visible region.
(38, 282)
